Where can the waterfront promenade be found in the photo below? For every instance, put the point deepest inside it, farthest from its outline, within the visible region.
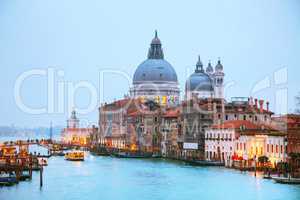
(154, 179)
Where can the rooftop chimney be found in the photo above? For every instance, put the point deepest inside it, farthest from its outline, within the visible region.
(255, 103)
(261, 105)
(268, 103)
(251, 101)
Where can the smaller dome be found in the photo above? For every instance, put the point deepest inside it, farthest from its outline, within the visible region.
(219, 66)
(209, 68)
(199, 80)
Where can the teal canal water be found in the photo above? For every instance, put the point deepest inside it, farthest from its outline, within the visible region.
(117, 179)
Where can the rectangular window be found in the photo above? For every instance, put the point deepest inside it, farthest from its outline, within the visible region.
(268, 148)
(276, 148)
(272, 148)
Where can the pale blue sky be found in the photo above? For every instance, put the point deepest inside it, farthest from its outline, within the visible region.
(253, 38)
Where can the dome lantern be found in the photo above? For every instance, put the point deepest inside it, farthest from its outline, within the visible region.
(155, 50)
(199, 65)
(219, 66)
(209, 68)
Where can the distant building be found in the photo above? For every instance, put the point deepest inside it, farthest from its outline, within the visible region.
(73, 122)
(75, 135)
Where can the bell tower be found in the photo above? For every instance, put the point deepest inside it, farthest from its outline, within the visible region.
(73, 122)
(218, 78)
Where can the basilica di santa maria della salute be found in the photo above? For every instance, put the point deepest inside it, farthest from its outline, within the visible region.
(153, 120)
(155, 79)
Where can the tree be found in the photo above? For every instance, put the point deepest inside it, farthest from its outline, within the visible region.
(294, 161)
(263, 159)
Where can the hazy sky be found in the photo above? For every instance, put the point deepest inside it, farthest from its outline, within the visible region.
(258, 42)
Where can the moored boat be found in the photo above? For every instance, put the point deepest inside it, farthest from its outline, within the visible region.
(75, 156)
(57, 153)
(8, 179)
(285, 180)
(100, 151)
(132, 155)
(205, 163)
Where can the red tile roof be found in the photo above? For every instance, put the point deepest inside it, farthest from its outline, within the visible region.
(245, 127)
(235, 124)
(170, 113)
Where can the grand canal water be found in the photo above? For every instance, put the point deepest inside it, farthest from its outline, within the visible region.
(117, 179)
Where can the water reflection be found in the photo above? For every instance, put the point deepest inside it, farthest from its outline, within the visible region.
(111, 178)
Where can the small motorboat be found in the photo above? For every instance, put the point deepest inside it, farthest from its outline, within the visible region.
(8, 179)
(75, 156)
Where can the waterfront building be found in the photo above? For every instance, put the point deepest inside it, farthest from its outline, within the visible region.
(197, 115)
(130, 124)
(112, 123)
(172, 137)
(144, 126)
(75, 135)
(239, 141)
(290, 124)
(220, 143)
(155, 79)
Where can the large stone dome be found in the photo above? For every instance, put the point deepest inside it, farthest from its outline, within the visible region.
(155, 78)
(156, 71)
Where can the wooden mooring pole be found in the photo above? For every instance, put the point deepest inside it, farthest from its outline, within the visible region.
(30, 167)
(41, 176)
